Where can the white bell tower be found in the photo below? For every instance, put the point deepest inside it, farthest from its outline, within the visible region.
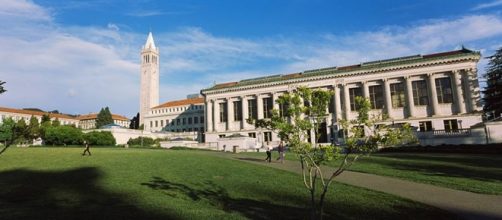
(149, 90)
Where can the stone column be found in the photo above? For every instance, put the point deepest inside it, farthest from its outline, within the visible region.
(244, 102)
(409, 97)
(346, 100)
(457, 88)
(209, 116)
(366, 90)
(216, 114)
(230, 113)
(468, 90)
(388, 98)
(275, 96)
(259, 106)
(433, 93)
(337, 107)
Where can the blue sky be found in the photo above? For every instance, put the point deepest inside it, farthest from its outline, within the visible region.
(79, 56)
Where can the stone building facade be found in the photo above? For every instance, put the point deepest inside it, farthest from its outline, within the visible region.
(431, 92)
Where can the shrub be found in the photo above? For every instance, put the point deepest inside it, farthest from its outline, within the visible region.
(63, 135)
(100, 138)
(147, 142)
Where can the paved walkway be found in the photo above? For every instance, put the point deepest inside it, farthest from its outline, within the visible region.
(468, 205)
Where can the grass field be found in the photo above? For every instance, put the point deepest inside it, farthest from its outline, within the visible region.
(59, 183)
(480, 173)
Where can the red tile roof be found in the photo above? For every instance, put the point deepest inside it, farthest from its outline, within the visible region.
(95, 116)
(38, 113)
(199, 100)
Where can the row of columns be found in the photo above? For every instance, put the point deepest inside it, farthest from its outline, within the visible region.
(213, 118)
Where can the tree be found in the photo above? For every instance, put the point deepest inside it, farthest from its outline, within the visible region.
(20, 132)
(33, 128)
(7, 133)
(63, 135)
(56, 123)
(303, 111)
(493, 93)
(44, 124)
(134, 122)
(104, 117)
(2, 90)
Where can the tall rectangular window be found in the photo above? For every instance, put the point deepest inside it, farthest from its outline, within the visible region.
(177, 121)
(420, 96)
(156, 123)
(223, 112)
(376, 96)
(190, 120)
(331, 104)
(201, 119)
(425, 126)
(184, 121)
(238, 111)
(161, 123)
(283, 110)
(195, 120)
(252, 109)
(444, 91)
(267, 107)
(353, 93)
(267, 136)
(397, 94)
(450, 125)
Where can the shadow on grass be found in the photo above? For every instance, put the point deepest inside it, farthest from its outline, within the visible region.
(251, 159)
(218, 197)
(71, 194)
(475, 160)
(437, 169)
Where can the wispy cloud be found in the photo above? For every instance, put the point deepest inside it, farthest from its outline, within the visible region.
(145, 13)
(487, 5)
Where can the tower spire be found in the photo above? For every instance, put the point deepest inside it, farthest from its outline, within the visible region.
(149, 41)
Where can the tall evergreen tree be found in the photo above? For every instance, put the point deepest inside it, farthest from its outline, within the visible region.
(104, 117)
(2, 90)
(33, 128)
(134, 122)
(56, 122)
(493, 92)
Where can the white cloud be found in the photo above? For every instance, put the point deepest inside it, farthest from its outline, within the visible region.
(487, 5)
(23, 10)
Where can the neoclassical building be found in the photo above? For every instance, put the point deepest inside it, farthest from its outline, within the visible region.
(21, 114)
(185, 115)
(431, 92)
(88, 121)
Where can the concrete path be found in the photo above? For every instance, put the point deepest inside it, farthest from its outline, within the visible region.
(465, 204)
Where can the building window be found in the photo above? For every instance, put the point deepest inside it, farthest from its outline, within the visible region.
(267, 107)
(283, 109)
(420, 96)
(376, 97)
(167, 122)
(189, 129)
(397, 94)
(331, 104)
(223, 112)
(267, 136)
(195, 120)
(450, 125)
(425, 126)
(221, 136)
(196, 129)
(190, 120)
(201, 119)
(252, 109)
(353, 93)
(161, 123)
(177, 121)
(237, 110)
(444, 91)
(252, 134)
(184, 121)
(151, 124)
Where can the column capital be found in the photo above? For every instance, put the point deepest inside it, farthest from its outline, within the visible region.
(431, 75)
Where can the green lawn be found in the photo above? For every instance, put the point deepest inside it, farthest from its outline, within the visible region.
(113, 183)
(469, 172)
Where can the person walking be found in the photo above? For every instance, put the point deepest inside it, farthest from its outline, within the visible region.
(269, 154)
(86, 149)
(281, 149)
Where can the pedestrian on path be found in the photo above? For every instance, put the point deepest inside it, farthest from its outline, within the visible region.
(281, 149)
(269, 154)
(86, 149)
